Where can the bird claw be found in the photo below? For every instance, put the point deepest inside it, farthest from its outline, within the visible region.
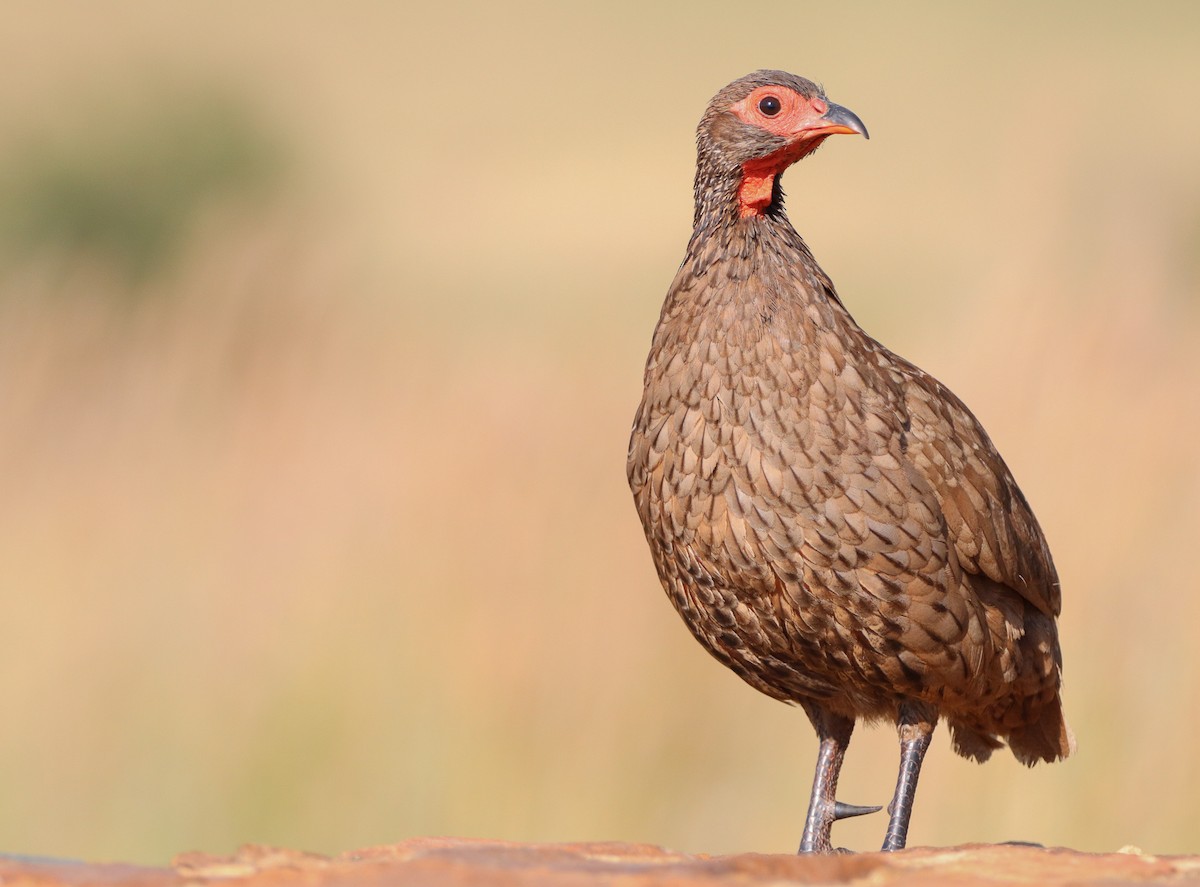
(846, 811)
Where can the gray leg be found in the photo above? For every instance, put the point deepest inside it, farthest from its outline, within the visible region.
(916, 730)
(823, 807)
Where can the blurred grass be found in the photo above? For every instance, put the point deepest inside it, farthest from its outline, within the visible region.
(328, 543)
(125, 185)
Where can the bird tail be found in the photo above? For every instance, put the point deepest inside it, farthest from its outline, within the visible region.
(1049, 738)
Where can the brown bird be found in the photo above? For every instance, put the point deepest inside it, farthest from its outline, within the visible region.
(830, 521)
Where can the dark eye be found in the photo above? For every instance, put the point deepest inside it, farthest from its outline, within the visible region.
(769, 105)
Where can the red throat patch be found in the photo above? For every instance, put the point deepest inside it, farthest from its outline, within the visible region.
(758, 176)
(754, 194)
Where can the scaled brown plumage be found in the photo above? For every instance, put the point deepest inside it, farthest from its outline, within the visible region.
(830, 521)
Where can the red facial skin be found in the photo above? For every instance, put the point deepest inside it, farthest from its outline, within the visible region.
(799, 120)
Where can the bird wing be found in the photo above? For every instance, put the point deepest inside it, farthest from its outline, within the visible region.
(988, 519)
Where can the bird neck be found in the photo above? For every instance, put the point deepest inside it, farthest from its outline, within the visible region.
(722, 228)
(727, 191)
(750, 271)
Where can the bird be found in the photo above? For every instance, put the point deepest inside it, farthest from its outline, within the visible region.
(829, 520)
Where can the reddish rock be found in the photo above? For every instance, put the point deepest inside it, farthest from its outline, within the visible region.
(452, 861)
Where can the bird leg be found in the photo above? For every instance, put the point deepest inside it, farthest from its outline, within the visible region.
(915, 725)
(824, 809)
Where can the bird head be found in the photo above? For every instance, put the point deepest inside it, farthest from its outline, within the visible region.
(758, 126)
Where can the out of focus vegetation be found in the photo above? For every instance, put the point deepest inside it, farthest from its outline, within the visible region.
(328, 543)
(125, 188)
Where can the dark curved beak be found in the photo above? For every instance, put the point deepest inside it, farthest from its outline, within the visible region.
(845, 120)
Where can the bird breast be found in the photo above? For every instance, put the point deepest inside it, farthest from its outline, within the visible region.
(760, 426)
(768, 469)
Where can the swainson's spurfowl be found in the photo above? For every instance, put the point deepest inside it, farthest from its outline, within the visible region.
(830, 521)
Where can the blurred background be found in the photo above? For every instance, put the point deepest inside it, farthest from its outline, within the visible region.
(321, 331)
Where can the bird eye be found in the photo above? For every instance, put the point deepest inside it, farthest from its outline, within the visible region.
(769, 105)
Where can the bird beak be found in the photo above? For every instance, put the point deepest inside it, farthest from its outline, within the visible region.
(842, 120)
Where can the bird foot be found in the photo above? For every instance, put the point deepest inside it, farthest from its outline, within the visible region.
(816, 835)
(818, 850)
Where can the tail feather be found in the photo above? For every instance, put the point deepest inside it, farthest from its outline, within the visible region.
(1049, 738)
(972, 743)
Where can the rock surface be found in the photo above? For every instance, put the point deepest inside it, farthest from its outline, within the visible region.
(450, 861)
